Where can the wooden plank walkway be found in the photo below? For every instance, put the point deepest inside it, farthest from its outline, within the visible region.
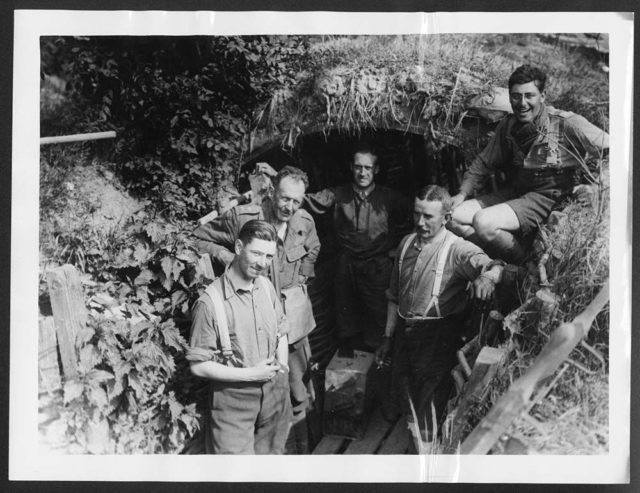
(381, 438)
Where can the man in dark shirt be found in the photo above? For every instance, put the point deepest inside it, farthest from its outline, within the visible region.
(369, 220)
(541, 148)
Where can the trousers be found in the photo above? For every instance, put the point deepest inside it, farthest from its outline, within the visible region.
(360, 300)
(423, 356)
(248, 417)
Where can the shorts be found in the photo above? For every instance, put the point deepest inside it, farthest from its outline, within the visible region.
(532, 195)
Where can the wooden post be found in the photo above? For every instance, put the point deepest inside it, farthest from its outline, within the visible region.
(48, 368)
(69, 313)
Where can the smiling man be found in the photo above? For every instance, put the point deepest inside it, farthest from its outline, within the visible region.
(541, 149)
(369, 220)
(427, 304)
(289, 270)
(239, 343)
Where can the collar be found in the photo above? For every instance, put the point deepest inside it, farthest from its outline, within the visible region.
(232, 283)
(363, 194)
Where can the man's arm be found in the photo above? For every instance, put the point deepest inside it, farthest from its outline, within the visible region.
(218, 372)
(478, 268)
(585, 137)
(312, 246)
(485, 164)
(217, 237)
(392, 319)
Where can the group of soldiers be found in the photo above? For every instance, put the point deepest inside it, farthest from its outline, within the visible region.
(401, 296)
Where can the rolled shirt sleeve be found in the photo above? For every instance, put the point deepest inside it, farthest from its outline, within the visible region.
(203, 343)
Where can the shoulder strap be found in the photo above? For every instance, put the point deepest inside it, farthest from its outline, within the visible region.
(403, 252)
(221, 318)
(437, 281)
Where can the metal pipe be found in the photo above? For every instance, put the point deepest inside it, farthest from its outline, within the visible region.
(60, 139)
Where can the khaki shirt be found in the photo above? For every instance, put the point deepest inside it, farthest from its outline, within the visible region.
(297, 254)
(412, 288)
(255, 319)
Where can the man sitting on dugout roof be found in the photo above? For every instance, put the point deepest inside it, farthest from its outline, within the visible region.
(540, 148)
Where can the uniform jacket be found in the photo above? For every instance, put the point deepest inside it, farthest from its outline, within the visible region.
(296, 255)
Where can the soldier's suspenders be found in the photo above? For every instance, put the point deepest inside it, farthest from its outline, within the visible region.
(221, 315)
(437, 281)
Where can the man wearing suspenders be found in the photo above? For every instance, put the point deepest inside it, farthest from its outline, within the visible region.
(540, 148)
(239, 343)
(292, 267)
(427, 304)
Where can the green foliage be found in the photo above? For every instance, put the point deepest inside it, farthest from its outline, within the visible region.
(181, 106)
(124, 371)
(133, 378)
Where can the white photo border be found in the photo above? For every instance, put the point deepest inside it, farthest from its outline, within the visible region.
(26, 462)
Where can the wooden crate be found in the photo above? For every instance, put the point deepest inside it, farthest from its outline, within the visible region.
(345, 412)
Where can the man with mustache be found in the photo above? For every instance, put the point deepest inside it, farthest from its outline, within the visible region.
(291, 268)
(239, 342)
(427, 305)
(369, 220)
(541, 149)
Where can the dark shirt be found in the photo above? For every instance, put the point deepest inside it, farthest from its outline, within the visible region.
(366, 226)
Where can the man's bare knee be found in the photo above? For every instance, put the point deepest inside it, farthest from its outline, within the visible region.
(484, 226)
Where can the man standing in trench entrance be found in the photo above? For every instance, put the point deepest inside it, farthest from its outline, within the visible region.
(541, 149)
(428, 303)
(290, 270)
(369, 221)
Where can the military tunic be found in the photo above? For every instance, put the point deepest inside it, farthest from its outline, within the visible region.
(542, 176)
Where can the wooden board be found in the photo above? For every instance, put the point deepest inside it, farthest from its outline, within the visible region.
(330, 445)
(398, 441)
(69, 313)
(376, 432)
(48, 368)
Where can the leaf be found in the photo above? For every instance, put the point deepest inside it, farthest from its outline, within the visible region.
(136, 385)
(100, 376)
(72, 390)
(89, 358)
(177, 297)
(99, 397)
(171, 336)
(141, 253)
(155, 231)
(178, 267)
(144, 278)
(167, 268)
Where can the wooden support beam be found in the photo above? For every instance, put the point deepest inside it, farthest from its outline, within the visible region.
(69, 313)
(511, 404)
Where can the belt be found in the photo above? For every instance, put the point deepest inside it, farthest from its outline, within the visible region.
(549, 170)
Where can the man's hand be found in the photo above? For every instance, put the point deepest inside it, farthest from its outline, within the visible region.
(458, 199)
(302, 279)
(265, 370)
(265, 168)
(483, 288)
(382, 352)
